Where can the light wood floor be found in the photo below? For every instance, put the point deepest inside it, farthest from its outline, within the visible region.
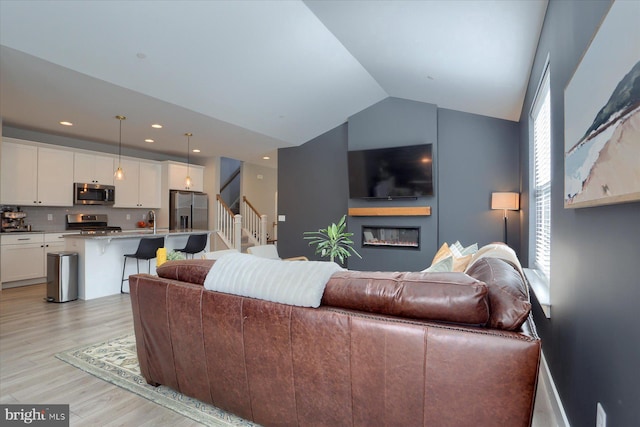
(32, 331)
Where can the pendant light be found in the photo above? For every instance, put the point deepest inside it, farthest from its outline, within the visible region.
(187, 180)
(119, 175)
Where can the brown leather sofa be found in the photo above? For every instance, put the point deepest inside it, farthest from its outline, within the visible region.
(383, 349)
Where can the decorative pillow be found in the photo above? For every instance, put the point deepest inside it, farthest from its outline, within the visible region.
(294, 283)
(442, 253)
(444, 297)
(460, 260)
(443, 265)
(191, 270)
(508, 296)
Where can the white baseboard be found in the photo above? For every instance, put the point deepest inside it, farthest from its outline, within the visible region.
(554, 398)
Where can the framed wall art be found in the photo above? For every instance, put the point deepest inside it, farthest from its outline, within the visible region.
(602, 115)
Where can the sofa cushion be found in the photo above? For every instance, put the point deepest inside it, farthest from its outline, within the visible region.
(508, 297)
(445, 297)
(286, 282)
(188, 270)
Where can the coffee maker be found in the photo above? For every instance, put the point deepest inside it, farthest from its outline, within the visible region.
(14, 220)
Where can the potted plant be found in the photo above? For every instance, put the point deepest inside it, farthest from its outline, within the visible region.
(333, 241)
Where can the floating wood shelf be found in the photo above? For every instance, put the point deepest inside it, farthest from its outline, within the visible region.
(391, 211)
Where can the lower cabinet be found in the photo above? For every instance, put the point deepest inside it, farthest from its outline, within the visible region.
(24, 256)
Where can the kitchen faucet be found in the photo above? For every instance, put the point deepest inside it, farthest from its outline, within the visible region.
(151, 216)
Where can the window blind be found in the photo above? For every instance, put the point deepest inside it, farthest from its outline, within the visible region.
(541, 116)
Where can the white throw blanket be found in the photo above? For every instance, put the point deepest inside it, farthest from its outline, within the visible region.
(299, 283)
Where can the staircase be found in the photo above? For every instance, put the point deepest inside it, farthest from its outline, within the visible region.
(243, 230)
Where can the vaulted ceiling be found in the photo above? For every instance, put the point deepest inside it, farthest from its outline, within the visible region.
(248, 77)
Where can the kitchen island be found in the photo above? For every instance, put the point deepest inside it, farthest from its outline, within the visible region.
(101, 257)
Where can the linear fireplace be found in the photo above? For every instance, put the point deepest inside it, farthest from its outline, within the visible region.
(391, 237)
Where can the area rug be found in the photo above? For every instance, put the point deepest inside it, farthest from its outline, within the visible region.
(116, 362)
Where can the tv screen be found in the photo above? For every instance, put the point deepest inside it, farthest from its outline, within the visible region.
(389, 173)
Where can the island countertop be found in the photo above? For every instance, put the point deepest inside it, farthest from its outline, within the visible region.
(136, 234)
(101, 265)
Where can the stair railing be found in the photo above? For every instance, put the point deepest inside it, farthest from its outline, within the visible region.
(253, 223)
(229, 225)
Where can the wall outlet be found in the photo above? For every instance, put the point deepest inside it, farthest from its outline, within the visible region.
(128, 216)
(49, 217)
(601, 416)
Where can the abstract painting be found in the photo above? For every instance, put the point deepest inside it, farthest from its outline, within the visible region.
(602, 115)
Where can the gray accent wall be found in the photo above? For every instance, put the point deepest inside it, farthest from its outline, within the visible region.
(591, 341)
(473, 156)
(395, 122)
(312, 189)
(477, 156)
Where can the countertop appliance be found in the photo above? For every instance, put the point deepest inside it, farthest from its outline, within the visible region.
(93, 194)
(90, 224)
(14, 221)
(188, 210)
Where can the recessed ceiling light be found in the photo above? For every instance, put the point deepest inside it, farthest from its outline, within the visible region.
(66, 123)
(195, 150)
(266, 157)
(156, 126)
(149, 140)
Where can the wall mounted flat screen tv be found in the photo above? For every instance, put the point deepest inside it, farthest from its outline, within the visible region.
(391, 173)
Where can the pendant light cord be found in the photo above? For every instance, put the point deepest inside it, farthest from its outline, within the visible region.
(120, 144)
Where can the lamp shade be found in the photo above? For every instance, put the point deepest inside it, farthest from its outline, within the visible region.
(507, 201)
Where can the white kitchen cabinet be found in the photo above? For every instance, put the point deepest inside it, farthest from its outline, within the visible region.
(54, 242)
(141, 186)
(178, 172)
(23, 256)
(36, 176)
(150, 175)
(93, 168)
(55, 177)
(19, 174)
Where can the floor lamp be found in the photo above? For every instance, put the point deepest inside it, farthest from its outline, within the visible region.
(506, 202)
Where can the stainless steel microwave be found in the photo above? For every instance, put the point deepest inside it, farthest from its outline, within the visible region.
(93, 194)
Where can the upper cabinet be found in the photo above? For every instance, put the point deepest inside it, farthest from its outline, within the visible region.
(36, 176)
(178, 173)
(93, 168)
(141, 186)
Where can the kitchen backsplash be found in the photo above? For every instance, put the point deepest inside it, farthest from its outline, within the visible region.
(38, 217)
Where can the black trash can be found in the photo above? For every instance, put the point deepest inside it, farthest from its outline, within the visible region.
(62, 276)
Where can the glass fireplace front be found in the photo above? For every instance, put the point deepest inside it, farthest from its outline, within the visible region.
(395, 237)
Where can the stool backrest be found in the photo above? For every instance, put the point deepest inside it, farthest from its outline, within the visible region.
(196, 243)
(148, 247)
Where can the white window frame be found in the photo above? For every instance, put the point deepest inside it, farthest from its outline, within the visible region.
(540, 191)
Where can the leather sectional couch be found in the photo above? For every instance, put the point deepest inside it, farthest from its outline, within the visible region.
(382, 349)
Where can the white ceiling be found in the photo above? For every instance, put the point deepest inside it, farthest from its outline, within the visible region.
(248, 77)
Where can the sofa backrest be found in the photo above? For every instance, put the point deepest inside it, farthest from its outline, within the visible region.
(445, 297)
(509, 303)
(492, 293)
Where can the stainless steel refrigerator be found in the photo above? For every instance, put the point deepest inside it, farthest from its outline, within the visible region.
(188, 209)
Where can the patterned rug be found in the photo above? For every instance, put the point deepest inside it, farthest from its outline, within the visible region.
(116, 362)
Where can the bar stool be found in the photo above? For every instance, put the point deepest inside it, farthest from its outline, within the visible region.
(196, 243)
(147, 249)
